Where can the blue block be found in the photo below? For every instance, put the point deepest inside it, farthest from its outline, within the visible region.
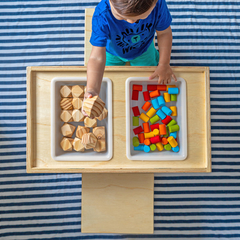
(166, 110)
(161, 114)
(155, 103)
(146, 149)
(176, 149)
(161, 101)
(173, 90)
(139, 148)
(174, 134)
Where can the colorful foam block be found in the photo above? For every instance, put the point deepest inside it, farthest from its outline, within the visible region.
(161, 101)
(154, 126)
(161, 114)
(162, 87)
(156, 132)
(155, 103)
(168, 147)
(151, 112)
(147, 142)
(141, 137)
(162, 129)
(171, 123)
(173, 97)
(171, 86)
(174, 128)
(144, 117)
(146, 106)
(146, 127)
(164, 141)
(151, 87)
(167, 97)
(138, 130)
(146, 149)
(155, 139)
(136, 111)
(172, 141)
(146, 96)
(153, 147)
(135, 121)
(135, 95)
(173, 134)
(173, 90)
(139, 148)
(176, 149)
(154, 119)
(174, 111)
(166, 120)
(155, 93)
(135, 142)
(159, 146)
(148, 135)
(166, 110)
(137, 87)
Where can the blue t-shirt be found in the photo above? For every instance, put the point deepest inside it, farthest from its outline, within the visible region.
(123, 39)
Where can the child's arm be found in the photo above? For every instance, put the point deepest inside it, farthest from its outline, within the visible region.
(95, 70)
(163, 70)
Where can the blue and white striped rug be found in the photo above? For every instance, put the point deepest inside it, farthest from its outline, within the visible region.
(187, 206)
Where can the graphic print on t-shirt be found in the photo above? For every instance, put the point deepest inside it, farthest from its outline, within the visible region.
(132, 39)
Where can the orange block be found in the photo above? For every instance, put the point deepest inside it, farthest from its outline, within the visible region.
(164, 141)
(162, 129)
(154, 94)
(141, 137)
(146, 127)
(147, 142)
(161, 87)
(146, 106)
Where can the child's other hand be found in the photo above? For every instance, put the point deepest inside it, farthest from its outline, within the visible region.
(164, 74)
(88, 94)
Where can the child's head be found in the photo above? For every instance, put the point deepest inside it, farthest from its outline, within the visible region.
(132, 10)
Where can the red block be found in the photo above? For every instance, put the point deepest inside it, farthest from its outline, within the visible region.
(151, 87)
(137, 87)
(154, 126)
(155, 139)
(166, 120)
(146, 96)
(136, 111)
(138, 130)
(135, 95)
(162, 87)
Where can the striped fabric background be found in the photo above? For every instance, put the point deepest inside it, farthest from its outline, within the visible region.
(187, 206)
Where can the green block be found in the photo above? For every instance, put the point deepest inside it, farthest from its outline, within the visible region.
(167, 134)
(171, 123)
(153, 147)
(168, 147)
(154, 119)
(135, 121)
(173, 97)
(135, 142)
(174, 128)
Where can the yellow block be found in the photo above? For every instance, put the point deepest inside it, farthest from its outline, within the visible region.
(156, 132)
(172, 141)
(159, 146)
(167, 97)
(170, 86)
(174, 110)
(144, 117)
(152, 111)
(148, 135)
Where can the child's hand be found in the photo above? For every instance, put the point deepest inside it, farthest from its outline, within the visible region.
(88, 94)
(164, 74)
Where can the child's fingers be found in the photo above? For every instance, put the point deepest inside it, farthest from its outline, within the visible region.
(174, 77)
(153, 76)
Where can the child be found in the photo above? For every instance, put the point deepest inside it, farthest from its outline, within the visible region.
(122, 31)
